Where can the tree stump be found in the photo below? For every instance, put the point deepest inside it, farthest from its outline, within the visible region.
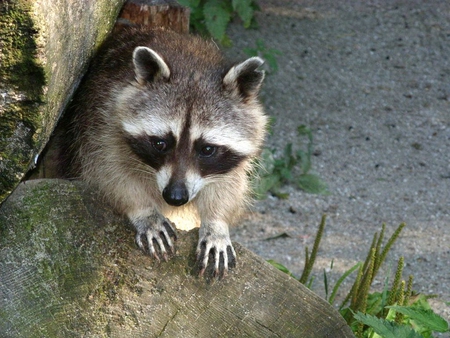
(154, 13)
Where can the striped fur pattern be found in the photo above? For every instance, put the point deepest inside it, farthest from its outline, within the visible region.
(167, 130)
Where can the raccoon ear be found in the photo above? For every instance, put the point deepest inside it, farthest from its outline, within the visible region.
(148, 65)
(245, 78)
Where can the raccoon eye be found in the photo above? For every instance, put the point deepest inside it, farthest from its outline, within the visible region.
(207, 151)
(160, 145)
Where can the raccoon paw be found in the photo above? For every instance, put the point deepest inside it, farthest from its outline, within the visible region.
(221, 252)
(155, 232)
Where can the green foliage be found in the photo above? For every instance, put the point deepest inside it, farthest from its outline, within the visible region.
(340, 280)
(291, 167)
(217, 15)
(385, 328)
(280, 267)
(245, 9)
(418, 321)
(211, 17)
(311, 258)
(395, 312)
(269, 55)
(423, 317)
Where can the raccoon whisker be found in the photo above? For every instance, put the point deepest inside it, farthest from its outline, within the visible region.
(145, 172)
(142, 171)
(141, 167)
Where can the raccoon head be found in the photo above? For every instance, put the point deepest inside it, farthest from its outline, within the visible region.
(192, 134)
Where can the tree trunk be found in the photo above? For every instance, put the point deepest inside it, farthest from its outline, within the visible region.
(69, 268)
(45, 46)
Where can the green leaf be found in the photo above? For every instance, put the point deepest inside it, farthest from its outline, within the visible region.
(267, 161)
(340, 280)
(271, 60)
(265, 184)
(281, 195)
(280, 267)
(288, 153)
(286, 174)
(304, 130)
(310, 282)
(424, 317)
(385, 328)
(217, 15)
(305, 161)
(374, 303)
(312, 184)
(244, 9)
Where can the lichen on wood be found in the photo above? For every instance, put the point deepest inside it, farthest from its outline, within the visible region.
(45, 46)
(69, 268)
(21, 92)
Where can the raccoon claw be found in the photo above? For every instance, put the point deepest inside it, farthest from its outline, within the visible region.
(222, 254)
(156, 235)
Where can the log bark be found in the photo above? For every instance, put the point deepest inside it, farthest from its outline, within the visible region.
(69, 268)
(45, 46)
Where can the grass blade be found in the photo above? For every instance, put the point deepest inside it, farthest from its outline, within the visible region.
(340, 280)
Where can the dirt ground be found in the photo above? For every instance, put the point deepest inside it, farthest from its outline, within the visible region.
(372, 81)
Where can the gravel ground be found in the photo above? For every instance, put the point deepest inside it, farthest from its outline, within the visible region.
(372, 81)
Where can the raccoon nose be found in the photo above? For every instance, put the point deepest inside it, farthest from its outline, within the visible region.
(176, 194)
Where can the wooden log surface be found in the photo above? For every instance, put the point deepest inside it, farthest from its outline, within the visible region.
(69, 268)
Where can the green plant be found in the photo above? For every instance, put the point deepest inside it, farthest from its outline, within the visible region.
(396, 312)
(269, 55)
(338, 282)
(367, 272)
(417, 320)
(310, 259)
(211, 17)
(292, 166)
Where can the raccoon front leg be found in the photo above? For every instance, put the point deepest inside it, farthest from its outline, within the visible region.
(214, 238)
(157, 230)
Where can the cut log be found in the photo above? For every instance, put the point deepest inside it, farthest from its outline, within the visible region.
(69, 268)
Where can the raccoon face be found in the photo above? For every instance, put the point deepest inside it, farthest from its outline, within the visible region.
(191, 136)
(183, 166)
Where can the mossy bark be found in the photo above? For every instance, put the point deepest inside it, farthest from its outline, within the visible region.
(45, 46)
(69, 268)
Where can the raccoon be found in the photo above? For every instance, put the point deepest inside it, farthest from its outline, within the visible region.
(168, 130)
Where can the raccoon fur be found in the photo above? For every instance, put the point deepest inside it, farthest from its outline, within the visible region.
(167, 131)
